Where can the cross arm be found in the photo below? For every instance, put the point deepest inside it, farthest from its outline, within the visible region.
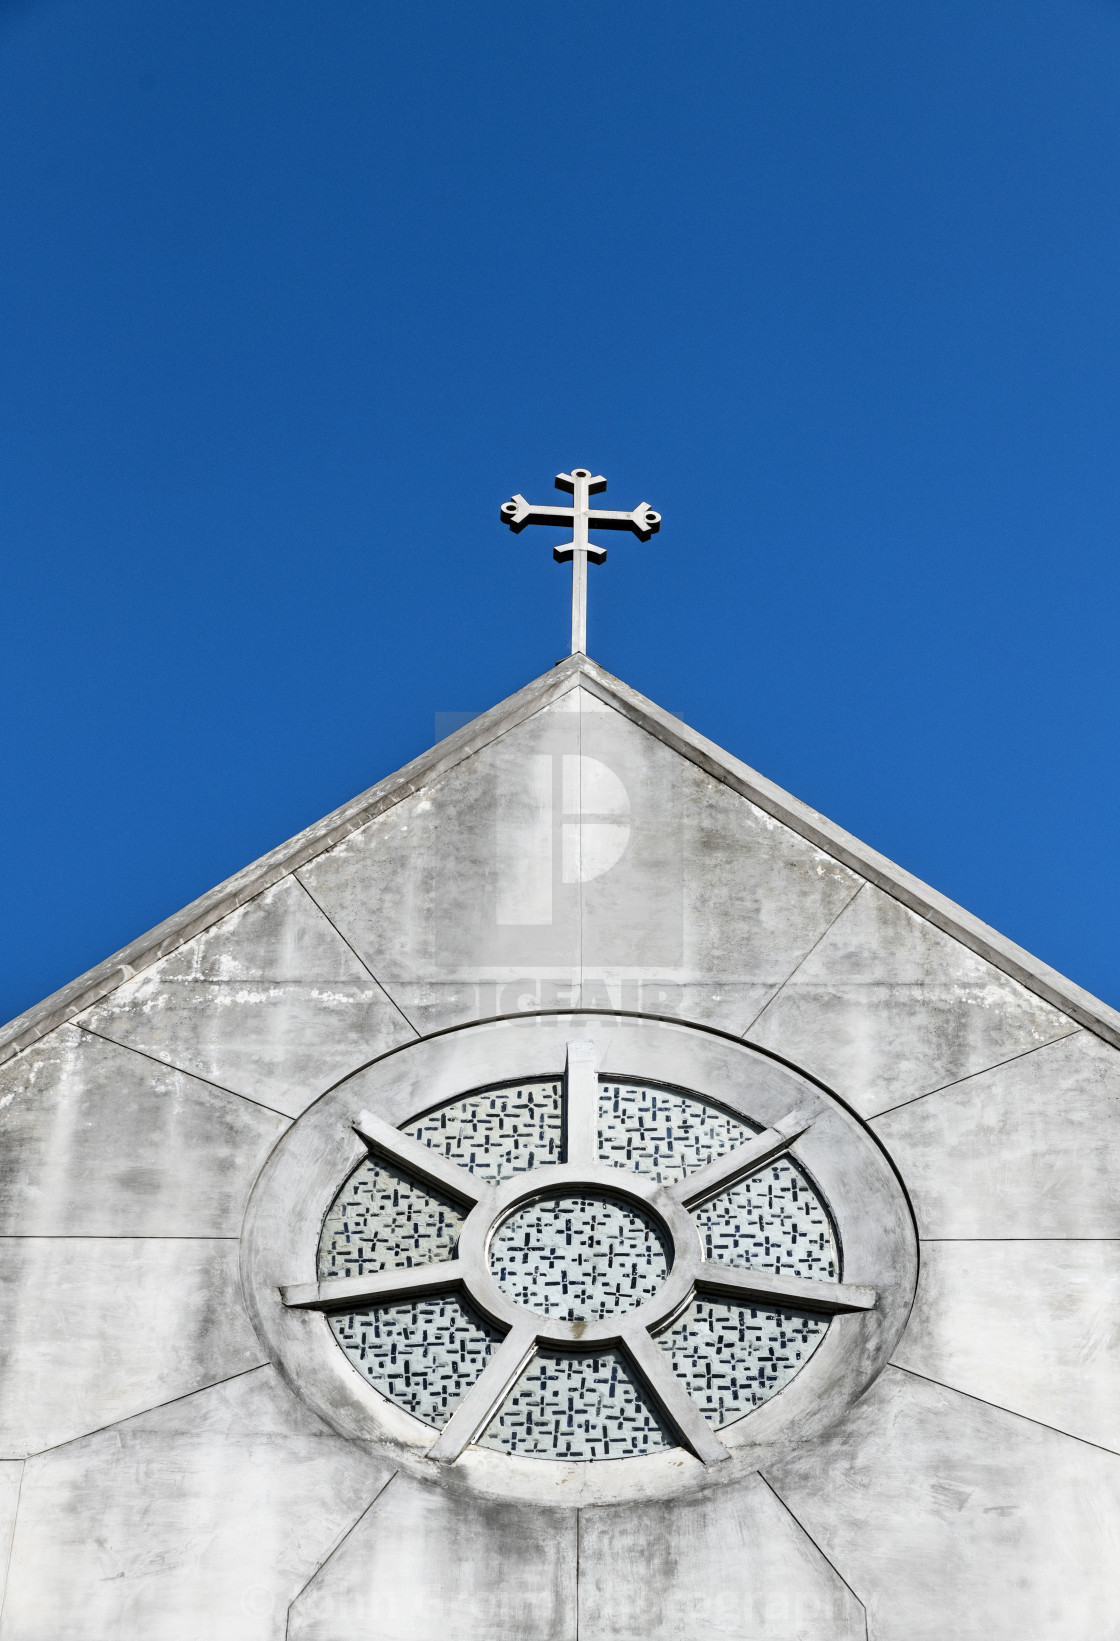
(517, 513)
(641, 519)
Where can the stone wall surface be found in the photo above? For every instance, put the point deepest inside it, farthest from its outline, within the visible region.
(161, 1481)
(886, 1008)
(99, 1141)
(424, 1564)
(202, 1518)
(951, 1517)
(733, 1564)
(271, 1004)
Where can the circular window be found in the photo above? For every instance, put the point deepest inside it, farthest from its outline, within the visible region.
(682, 1275)
(584, 1268)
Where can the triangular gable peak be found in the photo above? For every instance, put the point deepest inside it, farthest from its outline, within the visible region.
(576, 846)
(804, 1063)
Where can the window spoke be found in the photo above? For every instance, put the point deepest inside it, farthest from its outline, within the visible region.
(675, 1402)
(724, 1170)
(792, 1292)
(487, 1394)
(419, 1159)
(581, 1083)
(349, 1292)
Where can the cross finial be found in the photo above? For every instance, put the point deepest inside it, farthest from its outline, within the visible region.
(580, 483)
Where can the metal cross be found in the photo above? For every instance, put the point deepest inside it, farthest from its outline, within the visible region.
(580, 484)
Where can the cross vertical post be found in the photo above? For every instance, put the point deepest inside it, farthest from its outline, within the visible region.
(581, 484)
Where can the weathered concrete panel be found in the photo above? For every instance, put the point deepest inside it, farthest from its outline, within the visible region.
(952, 1518)
(11, 1477)
(1025, 1150)
(1030, 1326)
(94, 1329)
(712, 898)
(100, 1141)
(458, 898)
(579, 861)
(887, 1007)
(195, 1522)
(731, 1565)
(425, 1565)
(270, 1003)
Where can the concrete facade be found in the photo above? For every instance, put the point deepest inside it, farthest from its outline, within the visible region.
(185, 1457)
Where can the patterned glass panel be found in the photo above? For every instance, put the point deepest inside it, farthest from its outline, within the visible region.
(501, 1132)
(771, 1221)
(423, 1353)
(579, 1257)
(668, 1135)
(382, 1220)
(577, 1407)
(734, 1356)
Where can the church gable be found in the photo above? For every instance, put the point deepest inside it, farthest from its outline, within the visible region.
(575, 859)
(250, 1313)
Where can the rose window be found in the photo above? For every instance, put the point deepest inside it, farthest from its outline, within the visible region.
(579, 1268)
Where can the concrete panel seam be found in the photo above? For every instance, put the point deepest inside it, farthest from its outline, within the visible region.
(11, 1542)
(143, 1412)
(111, 1236)
(828, 1561)
(925, 1239)
(998, 1407)
(336, 1546)
(579, 845)
(579, 1538)
(804, 958)
(168, 1065)
(982, 1072)
(392, 1002)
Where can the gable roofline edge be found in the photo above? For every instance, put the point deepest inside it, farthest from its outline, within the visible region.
(1030, 971)
(252, 880)
(264, 873)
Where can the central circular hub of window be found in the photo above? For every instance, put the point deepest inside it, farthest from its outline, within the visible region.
(579, 1257)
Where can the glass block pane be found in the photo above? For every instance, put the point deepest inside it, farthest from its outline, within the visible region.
(772, 1221)
(579, 1256)
(577, 1407)
(382, 1220)
(424, 1354)
(658, 1132)
(733, 1356)
(500, 1132)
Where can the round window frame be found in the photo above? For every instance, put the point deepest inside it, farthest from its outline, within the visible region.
(841, 1156)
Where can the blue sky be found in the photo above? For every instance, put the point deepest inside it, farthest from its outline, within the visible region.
(292, 296)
